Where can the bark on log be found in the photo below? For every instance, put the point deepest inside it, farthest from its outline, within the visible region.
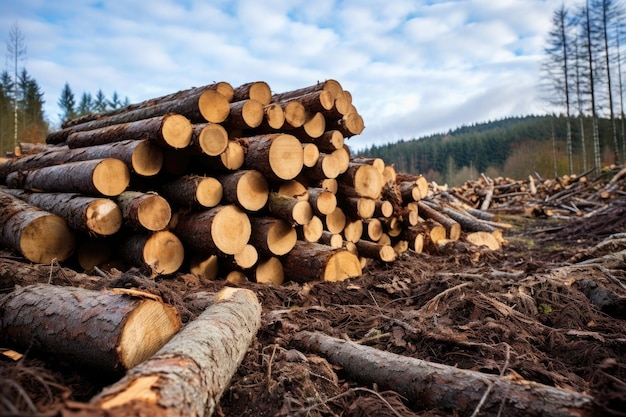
(93, 215)
(145, 158)
(110, 331)
(221, 87)
(256, 90)
(433, 385)
(313, 261)
(245, 114)
(376, 251)
(453, 228)
(210, 138)
(330, 141)
(327, 166)
(38, 235)
(272, 236)
(358, 207)
(349, 125)
(210, 106)
(221, 229)
(277, 156)
(332, 86)
(144, 211)
(162, 251)
(361, 180)
(293, 210)
(246, 188)
(194, 191)
(99, 177)
(189, 374)
(171, 130)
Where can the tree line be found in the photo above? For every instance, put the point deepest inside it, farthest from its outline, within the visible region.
(582, 76)
(22, 116)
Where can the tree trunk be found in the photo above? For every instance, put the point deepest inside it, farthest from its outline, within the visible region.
(194, 191)
(272, 236)
(161, 251)
(142, 157)
(313, 261)
(376, 251)
(245, 114)
(221, 229)
(189, 374)
(93, 215)
(246, 188)
(100, 177)
(256, 90)
(144, 211)
(277, 156)
(171, 130)
(38, 235)
(361, 180)
(110, 331)
(323, 202)
(210, 106)
(432, 385)
(293, 210)
(453, 228)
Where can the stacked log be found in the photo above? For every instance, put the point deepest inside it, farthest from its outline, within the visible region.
(238, 182)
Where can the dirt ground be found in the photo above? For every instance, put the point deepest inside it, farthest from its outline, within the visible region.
(548, 307)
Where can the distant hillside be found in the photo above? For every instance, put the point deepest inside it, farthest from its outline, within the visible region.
(513, 147)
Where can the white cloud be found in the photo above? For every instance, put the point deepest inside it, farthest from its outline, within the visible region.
(413, 67)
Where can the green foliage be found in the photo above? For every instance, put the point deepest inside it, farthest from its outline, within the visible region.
(514, 147)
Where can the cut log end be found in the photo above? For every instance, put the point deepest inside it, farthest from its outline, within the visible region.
(213, 139)
(111, 177)
(342, 265)
(286, 157)
(209, 192)
(163, 252)
(150, 326)
(270, 271)
(147, 159)
(213, 106)
(176, 131)
(58, 243)
(104, 217)
(154, 213)
(252, 190)
(231, 230)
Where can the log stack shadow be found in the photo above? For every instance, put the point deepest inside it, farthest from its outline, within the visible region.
(237, 183)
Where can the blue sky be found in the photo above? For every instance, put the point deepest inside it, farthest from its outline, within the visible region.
(414, 67)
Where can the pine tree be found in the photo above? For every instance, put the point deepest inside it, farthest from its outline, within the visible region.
(67, 103)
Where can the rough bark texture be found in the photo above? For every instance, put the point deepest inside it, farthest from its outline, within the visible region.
(313, 261)
(142, 157)
(99, 177)
(170, 130)
(144, 211)
(194, 191)
(440, 386)
(291, 209)
(104, 330)
(221, 229)
(37, 234)
(189, 374)
(93, 215)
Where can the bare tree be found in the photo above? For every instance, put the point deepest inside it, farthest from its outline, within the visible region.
(557, 70)
(579, 84)
(16, 52)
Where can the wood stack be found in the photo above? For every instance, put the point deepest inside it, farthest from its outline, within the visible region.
(222, 181)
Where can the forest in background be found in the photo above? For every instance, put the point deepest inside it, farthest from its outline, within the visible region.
(513, 147)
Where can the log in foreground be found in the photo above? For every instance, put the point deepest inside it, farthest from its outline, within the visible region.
(189, 374)
(37, 234)
(105, 330)
(433, 385)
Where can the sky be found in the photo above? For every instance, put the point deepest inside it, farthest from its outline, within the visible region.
(413, 67)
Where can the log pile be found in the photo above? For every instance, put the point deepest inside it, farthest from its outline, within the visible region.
(563, 196)
(230, 182)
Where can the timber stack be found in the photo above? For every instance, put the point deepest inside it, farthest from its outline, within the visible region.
(225, 182)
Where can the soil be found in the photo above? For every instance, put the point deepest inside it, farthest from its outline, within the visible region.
(548, 307)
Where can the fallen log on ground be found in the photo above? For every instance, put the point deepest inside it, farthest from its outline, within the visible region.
(433, 385)
(108, 331)
(189, 374)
